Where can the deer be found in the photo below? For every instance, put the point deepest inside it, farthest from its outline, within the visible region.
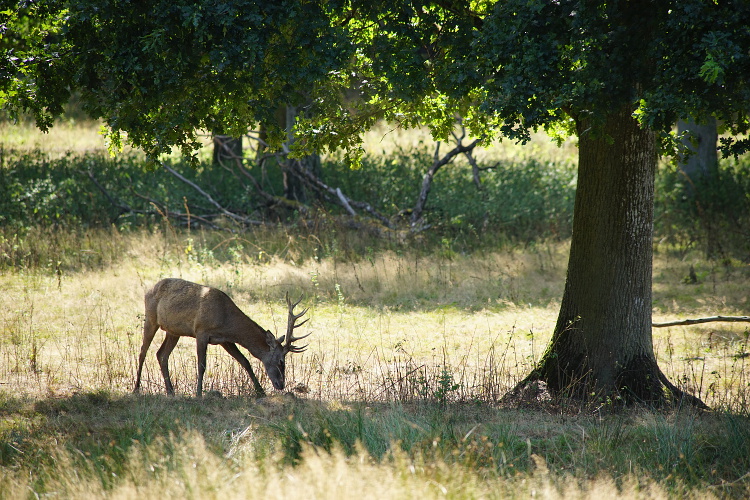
(185, 309)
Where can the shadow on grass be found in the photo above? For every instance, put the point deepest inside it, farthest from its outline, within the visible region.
(101, 429)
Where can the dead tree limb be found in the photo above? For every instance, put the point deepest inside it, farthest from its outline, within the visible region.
(345, 202)
(335, 195)
(711, 319)
(416, 214)
(269, 199)
(208, 197)
(123, 208)
(162, 210)
(475, 169)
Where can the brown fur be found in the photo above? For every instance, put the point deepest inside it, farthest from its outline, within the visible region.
(185, 309)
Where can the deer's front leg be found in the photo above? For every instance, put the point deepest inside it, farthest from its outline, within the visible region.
(202, 346)
(236, 354)
(149, 330)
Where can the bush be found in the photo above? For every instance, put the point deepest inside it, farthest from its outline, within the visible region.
(710, 214)
(524, 200)
(520, 201)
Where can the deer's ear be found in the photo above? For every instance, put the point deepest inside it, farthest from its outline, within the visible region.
(271, 340)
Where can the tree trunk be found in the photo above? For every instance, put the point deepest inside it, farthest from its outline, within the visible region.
(294, 187)
(702, 171)
(602, 345)
(703, 163)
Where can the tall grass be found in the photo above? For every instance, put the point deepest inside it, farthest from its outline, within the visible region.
(398, 395)
(402, 326)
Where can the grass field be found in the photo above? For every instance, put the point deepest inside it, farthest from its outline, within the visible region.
(397, 396)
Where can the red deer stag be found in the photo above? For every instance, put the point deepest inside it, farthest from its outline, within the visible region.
(185, 309)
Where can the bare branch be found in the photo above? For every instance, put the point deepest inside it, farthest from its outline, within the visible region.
(711, 319)
(345, 202)
(332, 193)
(416, 214)
(120, 206)
(161, 209)
(223, 210)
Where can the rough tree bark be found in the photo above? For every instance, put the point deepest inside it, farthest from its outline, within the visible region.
(602, 344)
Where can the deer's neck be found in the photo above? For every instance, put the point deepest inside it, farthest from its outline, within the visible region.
(253, 338)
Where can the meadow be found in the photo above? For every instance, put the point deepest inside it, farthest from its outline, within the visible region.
(399, 394)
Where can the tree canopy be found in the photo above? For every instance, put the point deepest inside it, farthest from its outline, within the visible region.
(158, 71)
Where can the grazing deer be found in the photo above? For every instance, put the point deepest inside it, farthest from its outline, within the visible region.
(185, 309)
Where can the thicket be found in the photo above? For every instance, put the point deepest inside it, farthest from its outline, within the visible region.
(523, 200)
(519, 201)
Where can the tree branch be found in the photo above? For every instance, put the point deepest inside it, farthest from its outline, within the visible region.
(223, 210)
(711, 319)
(416, 214)
(337, 195)
(124, 208)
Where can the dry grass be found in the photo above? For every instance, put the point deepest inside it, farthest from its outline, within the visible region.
(395, 397)
(65, 136)
(387, 327)
(69, 135)
(372, 321)
(320, 475)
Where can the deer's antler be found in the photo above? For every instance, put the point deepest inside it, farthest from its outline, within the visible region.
(291, 325)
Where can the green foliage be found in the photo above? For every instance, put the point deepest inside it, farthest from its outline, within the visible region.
(37, 190)
(156, 72)
(712, 214)
(522, 201)
(160, 71)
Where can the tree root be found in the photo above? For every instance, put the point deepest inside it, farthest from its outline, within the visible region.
(533, 392)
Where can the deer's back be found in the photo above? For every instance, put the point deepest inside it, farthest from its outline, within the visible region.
(182, 307)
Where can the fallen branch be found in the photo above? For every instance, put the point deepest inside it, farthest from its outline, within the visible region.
(162, 211)
(345, 202)
(336, 195)
(270, 200)
(711, 319)
(223, 210)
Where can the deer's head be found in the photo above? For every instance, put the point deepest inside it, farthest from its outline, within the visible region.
(274, 360)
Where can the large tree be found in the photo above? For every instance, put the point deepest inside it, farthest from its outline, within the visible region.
(616, 74)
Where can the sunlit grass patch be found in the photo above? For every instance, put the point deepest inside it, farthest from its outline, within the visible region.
(398, 395)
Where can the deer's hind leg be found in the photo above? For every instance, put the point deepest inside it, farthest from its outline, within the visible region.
(149, 330)
(163, 356)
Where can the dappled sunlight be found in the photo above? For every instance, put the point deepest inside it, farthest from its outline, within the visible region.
(389, 326)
